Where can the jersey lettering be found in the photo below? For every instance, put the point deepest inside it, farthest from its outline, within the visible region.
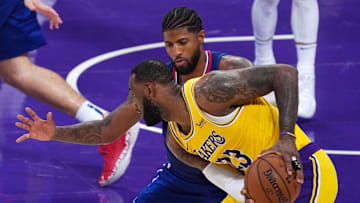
(235, 158)
(210, 145)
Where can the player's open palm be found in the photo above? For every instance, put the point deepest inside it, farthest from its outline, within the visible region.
(39, 129)
(50, 13)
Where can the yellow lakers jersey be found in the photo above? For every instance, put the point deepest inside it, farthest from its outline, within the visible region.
(235, 139)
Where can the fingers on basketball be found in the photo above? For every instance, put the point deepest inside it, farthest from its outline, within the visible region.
(267, 180)
(267, 152)
(289, 166)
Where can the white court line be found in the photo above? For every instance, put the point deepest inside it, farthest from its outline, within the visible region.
(342, 152)
(333, 152)
(75, 73)
(150, 128)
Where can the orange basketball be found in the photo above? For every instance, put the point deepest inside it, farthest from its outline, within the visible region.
(268, 181)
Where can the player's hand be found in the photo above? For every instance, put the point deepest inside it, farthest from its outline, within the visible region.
(286, 148)
(39, 129)
(50, 13)
(247, 197)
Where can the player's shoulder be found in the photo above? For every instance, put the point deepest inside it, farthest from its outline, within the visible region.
(230, 62)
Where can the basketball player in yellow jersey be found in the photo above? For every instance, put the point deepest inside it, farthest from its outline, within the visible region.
(222, 118)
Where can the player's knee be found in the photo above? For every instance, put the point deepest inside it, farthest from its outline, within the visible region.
(12, 79)
(11, 73)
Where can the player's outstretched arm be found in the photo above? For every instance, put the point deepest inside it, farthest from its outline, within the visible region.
(220, 91)
(90, 133)
(37, 128)
(50, 13)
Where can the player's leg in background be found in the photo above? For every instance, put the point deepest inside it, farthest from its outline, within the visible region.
(51, 88)
(264, 18)
(47, 86)
(19, 34)
(117, 155)
(305, 23)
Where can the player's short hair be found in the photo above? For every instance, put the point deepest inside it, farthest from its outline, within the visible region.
(152, 70)
(182, 17)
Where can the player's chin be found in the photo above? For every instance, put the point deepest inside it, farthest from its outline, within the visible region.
(152, 122)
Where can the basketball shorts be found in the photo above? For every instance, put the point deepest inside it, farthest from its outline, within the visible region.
(167, 187)
(19, 30)
(320, 178)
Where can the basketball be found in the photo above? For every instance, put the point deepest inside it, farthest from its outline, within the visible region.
(268, 181)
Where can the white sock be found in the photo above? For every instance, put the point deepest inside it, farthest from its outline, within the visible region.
(264, 53)
(306, 69)
(89, 112)
(306, 58)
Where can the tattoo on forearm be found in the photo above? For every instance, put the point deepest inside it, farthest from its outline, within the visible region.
(85, 133)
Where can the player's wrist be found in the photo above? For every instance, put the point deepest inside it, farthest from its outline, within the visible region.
(287, 134)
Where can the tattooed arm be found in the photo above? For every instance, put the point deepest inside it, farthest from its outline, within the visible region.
(91, 133)
(219, 92)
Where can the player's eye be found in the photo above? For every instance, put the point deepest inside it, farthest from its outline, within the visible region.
(167, 44)
(183, 42)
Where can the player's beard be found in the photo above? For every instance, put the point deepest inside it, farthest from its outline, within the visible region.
(191, 65)
(152, 113)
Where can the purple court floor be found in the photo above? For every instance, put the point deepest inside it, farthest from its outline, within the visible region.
(35, 171)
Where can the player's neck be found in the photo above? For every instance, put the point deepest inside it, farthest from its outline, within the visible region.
(177, 110)
(198, 71)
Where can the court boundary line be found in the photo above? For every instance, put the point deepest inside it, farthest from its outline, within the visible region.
(73, 76)
(332, 152)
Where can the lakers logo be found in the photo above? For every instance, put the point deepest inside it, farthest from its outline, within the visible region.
(201, 123)
(210, 145)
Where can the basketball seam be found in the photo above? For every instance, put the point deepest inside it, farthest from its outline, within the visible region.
(257, 170)
(280, 177)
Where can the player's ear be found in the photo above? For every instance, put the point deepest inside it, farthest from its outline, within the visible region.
(149, 90)
(201, 36)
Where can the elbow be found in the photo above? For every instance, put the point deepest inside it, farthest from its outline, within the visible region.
(108, 139)
(288, 71)
(247, 63)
